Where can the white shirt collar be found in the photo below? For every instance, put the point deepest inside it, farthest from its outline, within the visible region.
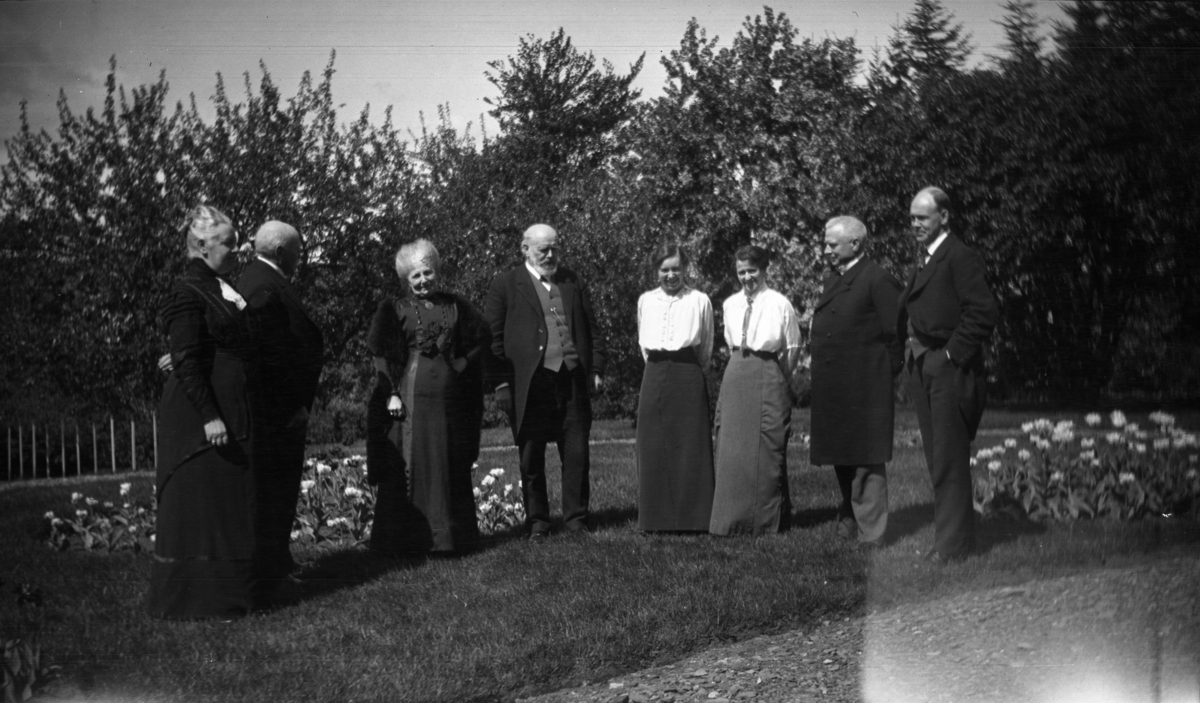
(937, 242)
(852, 264)
(272, 264)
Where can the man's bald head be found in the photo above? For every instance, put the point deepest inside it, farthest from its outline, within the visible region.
(279, 243)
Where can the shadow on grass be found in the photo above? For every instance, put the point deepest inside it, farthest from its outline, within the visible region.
(812, 517)
(353, 566)
(909, 520)
(994, 531)
(614, 518)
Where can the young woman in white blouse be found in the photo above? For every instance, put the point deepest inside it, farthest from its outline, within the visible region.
(755, 407)
(674, 435)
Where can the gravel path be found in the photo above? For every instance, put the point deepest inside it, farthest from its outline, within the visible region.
(1113, 634)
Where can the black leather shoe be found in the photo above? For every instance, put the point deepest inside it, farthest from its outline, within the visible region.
(539, 537)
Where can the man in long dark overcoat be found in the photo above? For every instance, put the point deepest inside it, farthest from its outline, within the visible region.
(546, 356)
(292, 355)
(855, 357)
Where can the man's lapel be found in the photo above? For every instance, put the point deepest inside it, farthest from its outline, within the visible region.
(525, 285)
(567, 290)
(926, 271)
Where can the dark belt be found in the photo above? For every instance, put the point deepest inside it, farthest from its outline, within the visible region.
(764, 355)
(685, 355)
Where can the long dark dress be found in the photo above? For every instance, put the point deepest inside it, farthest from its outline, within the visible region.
(421, 464)
(674, 445)
(205, 526)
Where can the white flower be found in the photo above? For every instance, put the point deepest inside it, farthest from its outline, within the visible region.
(1087, 442)
(1095, 462)
(488, 480)
(974, 461)
(1011, 443)
(476, 491)
(508, 488)
(323, 468)
(994, 465)
(1056, 476)
(1131, 428)
(998, 450)
(1191, 473)
(1126, 477)
(1035, 438)
(1089, 454)
(133, 528)
(1027, 427)
(1113, 437)
(1092, 419)
(983, 454)
(1162, 419)
(80, 513)
(307, 484)
(1043, 444)
(56, 522)
(352, 492)
(125, 488)
(1043, 425)
(76, 497)
(1063, 433)
(497, 472)
(1141, 448)
(1162, 443)
(49, 515)
(1117, 418)
(295, 535)
(1024, 455)
(91, 501)
(152, 537)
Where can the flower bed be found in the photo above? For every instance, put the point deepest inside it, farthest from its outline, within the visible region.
(1060, 472)
(336, 506)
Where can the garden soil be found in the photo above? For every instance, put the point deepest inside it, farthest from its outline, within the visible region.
(1114, 633)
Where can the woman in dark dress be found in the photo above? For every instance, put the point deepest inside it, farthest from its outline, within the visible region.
(674, 436)
(205, 526)
(424, 414)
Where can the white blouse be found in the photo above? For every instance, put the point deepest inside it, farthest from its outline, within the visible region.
(773, 327)
(674, 322)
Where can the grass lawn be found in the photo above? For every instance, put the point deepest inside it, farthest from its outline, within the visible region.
(517, 619)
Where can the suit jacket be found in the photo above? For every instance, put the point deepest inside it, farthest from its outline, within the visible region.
(293, 349)
(855, 357)
(519, 334)
(950, 304)
(952, 308)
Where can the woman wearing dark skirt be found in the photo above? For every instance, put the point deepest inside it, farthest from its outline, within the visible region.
(674, 436)
(424, 414)
(205, 527)
(755, 408)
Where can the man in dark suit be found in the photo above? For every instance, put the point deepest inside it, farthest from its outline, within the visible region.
(546, 352)
(947, 313)
(856, 356)
(290, 365)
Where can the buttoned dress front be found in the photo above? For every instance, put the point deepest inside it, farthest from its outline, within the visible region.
(674, 434)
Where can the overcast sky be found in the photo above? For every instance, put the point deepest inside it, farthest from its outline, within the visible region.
(411, 54)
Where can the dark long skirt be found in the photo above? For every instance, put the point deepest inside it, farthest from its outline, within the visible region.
(204, 539)
(423, 501)
(754, 415)
(674, 445)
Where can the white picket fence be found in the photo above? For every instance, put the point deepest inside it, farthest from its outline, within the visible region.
(30, 445)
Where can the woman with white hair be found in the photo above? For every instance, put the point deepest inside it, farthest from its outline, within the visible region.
(205, 526)
(424, 415)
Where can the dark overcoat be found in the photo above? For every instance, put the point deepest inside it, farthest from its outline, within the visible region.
(855, 356)
(518, 325)
(293, 348)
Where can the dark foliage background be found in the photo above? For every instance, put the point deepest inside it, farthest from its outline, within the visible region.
(1071, 161)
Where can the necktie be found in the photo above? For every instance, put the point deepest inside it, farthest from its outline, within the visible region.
(924, 258)
(746, 322)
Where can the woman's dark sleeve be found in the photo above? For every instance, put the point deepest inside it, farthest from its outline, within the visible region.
(474, 335)
(192, 350)
(388, 350)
